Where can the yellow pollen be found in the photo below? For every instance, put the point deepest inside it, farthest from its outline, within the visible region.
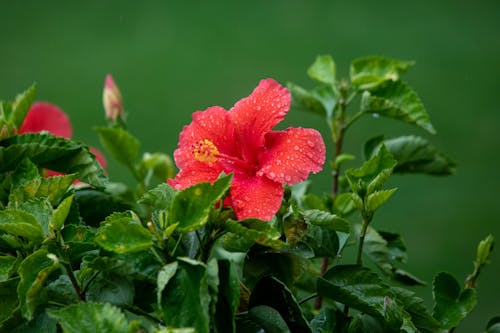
(205, 151)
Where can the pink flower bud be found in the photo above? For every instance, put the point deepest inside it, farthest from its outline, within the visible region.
(112, 100)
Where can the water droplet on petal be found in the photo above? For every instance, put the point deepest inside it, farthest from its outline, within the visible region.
(288, 178)
(177, 186)
(272, 174)
(310, 143)
(278, 162)
(282, 175)
(296, 147)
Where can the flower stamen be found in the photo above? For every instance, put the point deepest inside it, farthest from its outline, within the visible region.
(205, 151)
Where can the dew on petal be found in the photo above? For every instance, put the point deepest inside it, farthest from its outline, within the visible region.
(272, 174)
(288, 178)
(310, 143)
(296, 147)
(177, 186)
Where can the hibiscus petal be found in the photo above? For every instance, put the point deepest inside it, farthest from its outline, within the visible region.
(255, 197)
(257, 114)
(194, 173)
(44, 116)
(211, 124)
(292, 154)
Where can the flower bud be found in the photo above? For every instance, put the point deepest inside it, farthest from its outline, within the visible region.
(112, 100)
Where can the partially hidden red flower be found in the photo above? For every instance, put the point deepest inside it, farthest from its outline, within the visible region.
(44, 116)
(241, 141)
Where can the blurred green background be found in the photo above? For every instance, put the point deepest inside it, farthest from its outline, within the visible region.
(173, 58)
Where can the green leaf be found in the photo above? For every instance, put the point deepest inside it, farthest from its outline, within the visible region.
(273, 293)
(51, 152)
(416, 155)
(166, 273)
(7, 263)
(323, 70)
(33, 271)
(328, 320)
(484, 249)
(386, 249)
(190, 285)
(324, 242)
(363, 323)
(343, 204)
(228, 296)
(415, 307)
(62, 291)
(294, 229)
(20, 223)
(305, 100)
(372, 174)
(257, 231)
(40, 323)
(376, 248)
(25, 172)
(52, 188)
(191, 207)
(176, 330)
(60, 214)
(158, 165)
(42, 210)
(355, 286)
(111, 288)
(159, 197)
(95, 205)
(327, 220)
(22, 105)
(90, 317)
(407, 278)
(395, 99)
(269, 319)
(9, 300)
(123, 233)
(368, 72)
(493, 325)
(322, 239)
(122, 145)
(452, 304)
(321, 100)
(378, 198)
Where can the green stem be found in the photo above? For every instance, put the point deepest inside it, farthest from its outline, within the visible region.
(176, 245)
(308, 298)
(353, 119)
(364, 226)
(338, 138)
(74, 282)
(66, 264)
(158, 256)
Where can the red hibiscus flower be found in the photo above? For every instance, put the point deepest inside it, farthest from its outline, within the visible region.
(241, 141)
(44, 116)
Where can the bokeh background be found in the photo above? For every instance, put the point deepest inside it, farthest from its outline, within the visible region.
(172, 58)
